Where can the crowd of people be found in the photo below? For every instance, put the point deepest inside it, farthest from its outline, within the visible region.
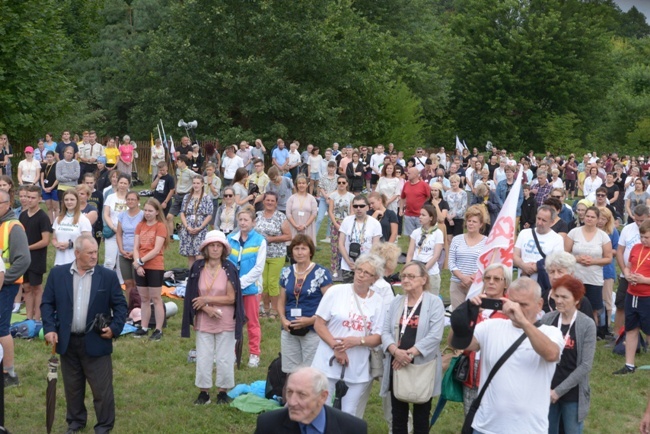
(250, 235)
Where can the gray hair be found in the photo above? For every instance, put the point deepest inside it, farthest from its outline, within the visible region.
(526, 284)
(319, 380)
(423, 272)
(126, 137)
(374, 261)
(549, 209)
(507, 274)
(561, 259)
(80, 241)
(641, 210)
(542, 173)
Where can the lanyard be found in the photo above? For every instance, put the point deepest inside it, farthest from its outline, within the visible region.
(640, 261)
(567, 336)
(298, 282)
(361, 233)
(407, 319)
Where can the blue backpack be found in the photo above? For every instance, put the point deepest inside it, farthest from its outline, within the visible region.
(27, 329)
(619, 345)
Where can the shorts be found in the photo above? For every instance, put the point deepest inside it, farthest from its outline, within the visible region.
(457, 228)
(315, 176)
(126, 268)
(177, 202)
(637, 313)
(621, 292)
(53, 195)
(7, 296)
(151, 278)
(374, 179)
(594, 294)
(33, 278)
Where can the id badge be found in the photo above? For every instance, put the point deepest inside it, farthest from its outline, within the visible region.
(296, 312)
(301, 213)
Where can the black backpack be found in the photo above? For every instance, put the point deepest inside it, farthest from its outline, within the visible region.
(275, 379)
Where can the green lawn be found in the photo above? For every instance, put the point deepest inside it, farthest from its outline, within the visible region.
(154, 385)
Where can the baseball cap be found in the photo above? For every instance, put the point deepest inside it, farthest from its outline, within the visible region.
(29, 149)
(463, 321)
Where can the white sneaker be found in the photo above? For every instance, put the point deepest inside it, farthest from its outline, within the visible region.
(326, 240)
(253, 361)
(335, 275)
(16, 308)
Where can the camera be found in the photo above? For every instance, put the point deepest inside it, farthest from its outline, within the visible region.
(491, 303)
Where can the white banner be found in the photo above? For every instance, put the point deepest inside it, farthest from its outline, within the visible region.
(500, 244)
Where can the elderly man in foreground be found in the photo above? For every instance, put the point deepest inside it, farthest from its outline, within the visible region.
(306, 412)
(517, 400)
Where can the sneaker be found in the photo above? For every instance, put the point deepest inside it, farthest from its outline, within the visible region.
(16, 308)
(203, 399)
(223, 398)
(10, 381)
(625, 370)
(156, 335)
(253, 361)
(326, 240)
(140, 333)
(335, 275)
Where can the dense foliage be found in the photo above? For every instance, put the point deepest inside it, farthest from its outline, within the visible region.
(542, 74)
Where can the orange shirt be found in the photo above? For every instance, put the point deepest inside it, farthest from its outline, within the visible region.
(148, 236)
(639, 262)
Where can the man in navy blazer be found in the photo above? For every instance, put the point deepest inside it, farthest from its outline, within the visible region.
(74, 294)
(306, 412)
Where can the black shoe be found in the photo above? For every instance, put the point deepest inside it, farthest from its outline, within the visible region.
(72, 431)
(203, 399)
(156, 335)
(10, 381)
(625, 370)
(140, 333)
(223, 398)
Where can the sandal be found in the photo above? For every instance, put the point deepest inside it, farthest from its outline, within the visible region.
(272, 315)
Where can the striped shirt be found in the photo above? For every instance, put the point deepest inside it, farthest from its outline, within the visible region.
(463, 257)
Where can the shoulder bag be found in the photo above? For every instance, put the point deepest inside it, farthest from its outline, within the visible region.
(469, 419)
(376, 356)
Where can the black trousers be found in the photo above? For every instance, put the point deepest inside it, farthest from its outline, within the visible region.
(421, 413)
(77, 368)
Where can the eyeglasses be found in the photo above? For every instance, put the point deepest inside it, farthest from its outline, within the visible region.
(361, 272)
(408, 276)
(359, 206)
(601, 195)
(228, 195)
(557, 197)
(493, 279)
(341, 183)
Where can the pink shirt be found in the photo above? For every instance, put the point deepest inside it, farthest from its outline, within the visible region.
(212, 288)
(126, 151)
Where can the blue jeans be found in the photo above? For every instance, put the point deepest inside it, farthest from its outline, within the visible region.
(568, 413)
(322, 211)
(7, 296)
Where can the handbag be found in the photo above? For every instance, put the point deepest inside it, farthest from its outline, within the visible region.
(452, 389)
(414, 383)
(107, 232)
(469, 419)
(376, 356)
(461, 370)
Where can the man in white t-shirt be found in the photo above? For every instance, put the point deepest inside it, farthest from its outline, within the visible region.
(518, 397)
(629, 238)
(376, 163)
(230, 163)
(526, 252)
(360, 231)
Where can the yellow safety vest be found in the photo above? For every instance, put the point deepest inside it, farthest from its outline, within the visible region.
(5, 230)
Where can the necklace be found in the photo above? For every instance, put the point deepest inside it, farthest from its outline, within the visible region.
(302, 273)
(213, 274)
(640, 261)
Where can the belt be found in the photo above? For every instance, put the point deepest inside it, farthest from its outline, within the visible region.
(77, 335)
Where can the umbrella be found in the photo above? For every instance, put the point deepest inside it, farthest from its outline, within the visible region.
(340, 388)
(50, 394)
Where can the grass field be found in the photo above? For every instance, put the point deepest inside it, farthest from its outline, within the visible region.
(154, 384)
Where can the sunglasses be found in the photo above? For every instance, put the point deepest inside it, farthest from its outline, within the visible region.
(557, 197)
(359, 206)
(422, 239)
(228, 195)
(341, 183)
(601, 195)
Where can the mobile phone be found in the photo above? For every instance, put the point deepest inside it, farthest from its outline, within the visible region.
(492, 303)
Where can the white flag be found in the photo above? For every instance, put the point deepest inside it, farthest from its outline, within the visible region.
(459, 146)
(500, 244)
(172, 151)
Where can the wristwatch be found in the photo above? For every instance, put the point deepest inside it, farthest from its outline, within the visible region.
(363, 342)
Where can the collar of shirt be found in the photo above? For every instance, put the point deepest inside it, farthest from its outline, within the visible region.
(317, 426)
(74, 269)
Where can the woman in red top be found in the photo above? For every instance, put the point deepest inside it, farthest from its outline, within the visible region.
(125, 161)
(148, 248)
(496, 280)
(637, 299)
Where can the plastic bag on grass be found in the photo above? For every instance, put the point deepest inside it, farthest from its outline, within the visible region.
(251, 403)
